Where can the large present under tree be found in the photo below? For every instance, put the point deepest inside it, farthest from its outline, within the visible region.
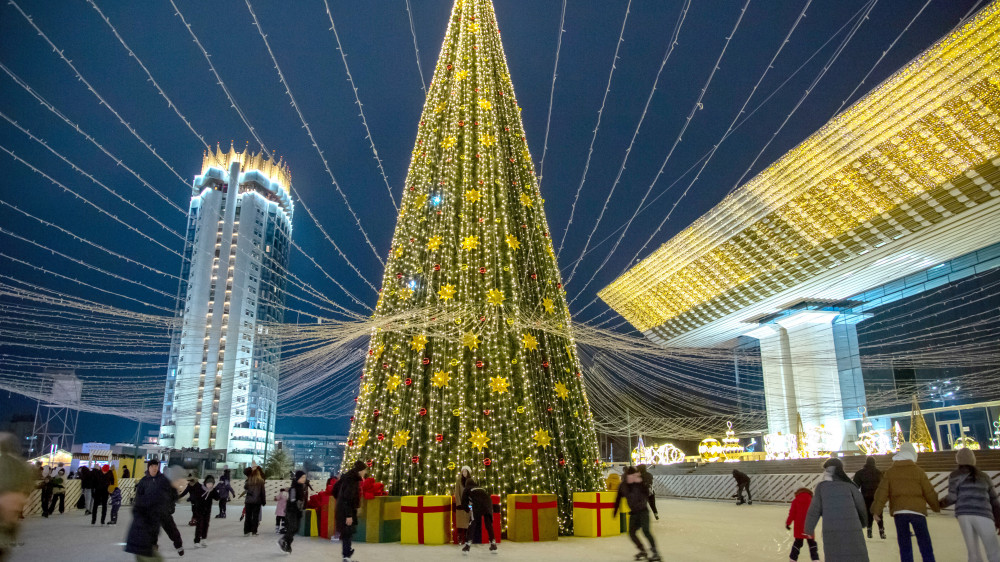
(532, 517)
(593, 514)
(379, 519)
(425, 519)
(484, 537)
(476, 363)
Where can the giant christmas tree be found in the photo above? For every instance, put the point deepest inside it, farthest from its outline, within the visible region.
(482, 370)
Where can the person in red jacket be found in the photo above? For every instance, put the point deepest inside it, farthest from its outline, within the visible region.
(797, 515)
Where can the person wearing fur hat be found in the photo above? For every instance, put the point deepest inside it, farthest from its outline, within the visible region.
(462, 517)
(908, 491)
(976, 507)
(797, 516)
(294, 506)
(839, 502)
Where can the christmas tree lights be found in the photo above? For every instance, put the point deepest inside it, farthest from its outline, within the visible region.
(498, 385)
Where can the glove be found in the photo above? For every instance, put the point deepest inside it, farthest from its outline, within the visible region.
(788, 527)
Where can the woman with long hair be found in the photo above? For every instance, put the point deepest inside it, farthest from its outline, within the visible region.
(839, 502)
(462, 517)
(976, 507)
(254, 487)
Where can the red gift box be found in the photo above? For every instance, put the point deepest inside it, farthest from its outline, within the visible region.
(485, 538)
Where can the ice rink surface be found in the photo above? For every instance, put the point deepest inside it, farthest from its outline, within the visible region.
(686, 531)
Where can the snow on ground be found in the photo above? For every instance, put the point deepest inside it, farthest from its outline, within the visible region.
(686, 531)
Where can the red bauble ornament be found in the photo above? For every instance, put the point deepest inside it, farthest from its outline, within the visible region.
(399, 276)
(549, 408)
(534, 276)
(524, 226)
(415, 459)
(558, 285)
(479, 364)
(385, 365)
(482, 319)
(352, 418)
(482, 269)
(350, 442)
(487, 412)
(381, 436)
(412, 188)
(371, 352)
(545, 364)
(449, 67)
(370, 463)
(408, 381)
(426, 360)
(487, 461)
(423, 411)
(562, 462)
(545, 234)
(437, 267)
(512, 160)
(439, 438)
(375, 414)
(355, 398)
(579, 374)
(412, 240)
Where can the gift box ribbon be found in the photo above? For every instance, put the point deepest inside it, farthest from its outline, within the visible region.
(534, 505)
(420, 509)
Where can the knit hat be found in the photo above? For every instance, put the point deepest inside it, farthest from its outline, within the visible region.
(907, 452)
(210, 479)
(105, 469)
(965, 456)
(465, 470)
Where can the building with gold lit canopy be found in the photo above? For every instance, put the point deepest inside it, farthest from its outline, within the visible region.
(897, 195)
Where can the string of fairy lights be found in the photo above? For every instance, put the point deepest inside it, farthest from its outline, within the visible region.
(621, 371)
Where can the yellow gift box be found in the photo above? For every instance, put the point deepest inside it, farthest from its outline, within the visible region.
(425, 519)
(593, 514)
(532, 517)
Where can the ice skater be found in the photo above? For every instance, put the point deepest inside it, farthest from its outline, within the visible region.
(347, 490)
(636, 493)
(201, 499)
(151, 505)
(226, 491)
(976, 506)
(116, 504)
(868, 479)
(461, 515)
(58, 492)
(255, 500)
(294, 506)
(742, 483)
(839, 502)
(909, 492)
(647, 479)
(797, 516)
(478, 501)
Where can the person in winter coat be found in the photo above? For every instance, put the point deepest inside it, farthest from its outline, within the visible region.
(280, 501)
(45, 485)
(976, 507)
(201, 499)
(797, 516)
(58, 492)
(103, 481)
(116, 504)
(478, 501)
(16, 482)
(87, 488)
(742, 483)
(189, 491)
(126, 473)
(636, 493)
(909, 492)
(839, 502)
(462, 516)
(151, 504)
(167, 521)
(294, 507)
(226, 491)
(254, 487)
(647, 479)
(867, 479)
(347, 490)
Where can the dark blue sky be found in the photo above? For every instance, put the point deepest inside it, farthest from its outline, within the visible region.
(380, 51)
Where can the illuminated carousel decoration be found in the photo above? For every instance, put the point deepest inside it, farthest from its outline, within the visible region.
(995, 440)
(965, 442)
(711, 450)
(779, 446)
(731, 447)
(872, 441)
(657, 455)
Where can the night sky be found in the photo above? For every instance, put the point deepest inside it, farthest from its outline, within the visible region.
(380, 52)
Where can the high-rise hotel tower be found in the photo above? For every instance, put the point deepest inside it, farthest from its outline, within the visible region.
(222, 376)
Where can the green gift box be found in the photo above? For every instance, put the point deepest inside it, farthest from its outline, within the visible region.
(308, 524)
(378, 520)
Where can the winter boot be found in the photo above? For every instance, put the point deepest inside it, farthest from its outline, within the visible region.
(881, 533)
(640, 555)
(180, 551)
(654, 557)
(869, 532)
(493, 546)
(466, 548)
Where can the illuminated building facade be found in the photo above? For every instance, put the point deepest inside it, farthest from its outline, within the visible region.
(904, 179)
(222, 377)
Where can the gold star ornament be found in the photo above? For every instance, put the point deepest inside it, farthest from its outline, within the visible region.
(470, 340)
(499, 384)
(472, 195)
(529, 342)
(542, 438)
(401, 438)
(470, 243)
(392, 382)
(479, 439)
(561, 390)
(495, 297)
(362, 438)
(440, 378)
(513, 242)
(446, 292)
(434, 242)
(549, 305)
(418, 342)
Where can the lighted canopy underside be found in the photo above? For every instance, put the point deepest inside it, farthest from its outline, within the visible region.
(894, 163)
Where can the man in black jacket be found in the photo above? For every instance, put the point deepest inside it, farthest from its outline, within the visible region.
(868, 479)
(347, 490)
(636, 493)
(478, 501)
(742, 483)
(152, 501)
(647, 479)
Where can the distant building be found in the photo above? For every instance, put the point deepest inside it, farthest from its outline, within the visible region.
(317, 453)
(222, 376)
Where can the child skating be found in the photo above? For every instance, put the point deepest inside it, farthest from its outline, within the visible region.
(636, 493)
(797, 516)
